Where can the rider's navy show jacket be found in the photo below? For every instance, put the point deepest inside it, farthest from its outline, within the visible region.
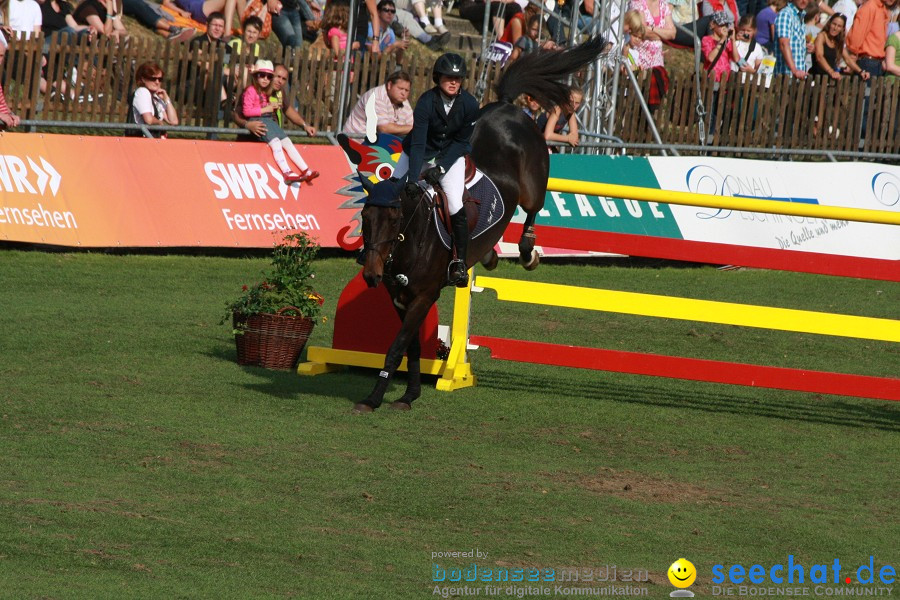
(437, 134)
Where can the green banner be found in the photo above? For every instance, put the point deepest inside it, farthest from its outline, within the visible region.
(598, 213)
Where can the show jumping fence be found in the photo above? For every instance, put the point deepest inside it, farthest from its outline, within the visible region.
(92, 83)
(457, 372)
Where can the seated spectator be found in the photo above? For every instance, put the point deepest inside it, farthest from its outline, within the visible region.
(278, 93)
(215, 31)
(7, 117)
(390, 105)
(251, 27)
(500, 12)
(202, 10)
(530, 41)
(25, 18)
(389, 44)
(58, 21)
(749, 52)
(517, 25)
(103, 16)
(152, 18)
(334, 28)
(256, 106)
(404, 20)
(718, 47)
(553, 124)
(150, 104)
(422, 16)
(296, 22)
(892, 56)
(830, 48)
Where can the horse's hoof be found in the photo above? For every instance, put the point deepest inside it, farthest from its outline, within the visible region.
(532, 263)
(400, 405)
(490, 260)
(359, 408)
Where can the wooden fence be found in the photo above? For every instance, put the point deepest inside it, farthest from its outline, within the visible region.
(93, 82)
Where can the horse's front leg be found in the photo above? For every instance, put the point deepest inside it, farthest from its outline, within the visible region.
(528, 256)
(409, 332)
(414, 373)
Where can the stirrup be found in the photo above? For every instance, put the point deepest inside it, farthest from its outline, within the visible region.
(457, 274)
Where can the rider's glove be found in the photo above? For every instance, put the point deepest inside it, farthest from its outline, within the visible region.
(433, 175)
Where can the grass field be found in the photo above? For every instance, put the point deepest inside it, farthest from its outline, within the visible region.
(138, 460)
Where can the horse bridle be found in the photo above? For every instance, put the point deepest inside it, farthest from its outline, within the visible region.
(400, 237)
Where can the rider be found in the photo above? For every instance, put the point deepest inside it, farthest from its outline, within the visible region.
(443, 122)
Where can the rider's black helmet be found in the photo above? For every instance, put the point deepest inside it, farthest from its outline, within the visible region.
(450, 64)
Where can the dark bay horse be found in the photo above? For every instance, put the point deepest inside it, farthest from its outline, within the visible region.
(402, 249)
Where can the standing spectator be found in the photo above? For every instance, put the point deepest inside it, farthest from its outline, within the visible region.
(553, 124)
(749, 52)
(732, 7)
(367, 12)
(765, 25)
(847, 8)
(103, 16)
(830, 48)
(255, 105)
(658, 26)
(633, 28)
(7, 117)
(388, 43)
(25, 18)
(892, 56)
(868, 37)
(810, 24)
(791, 46)
(718, 47)
(390, 105)
(151, 104)
(500, 12)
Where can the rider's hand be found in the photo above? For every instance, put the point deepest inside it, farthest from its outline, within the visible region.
(412, 189)
(433, 175)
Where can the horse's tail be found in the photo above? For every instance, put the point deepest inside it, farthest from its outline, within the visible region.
(538, 74)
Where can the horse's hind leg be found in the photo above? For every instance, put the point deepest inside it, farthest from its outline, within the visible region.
(528, 256)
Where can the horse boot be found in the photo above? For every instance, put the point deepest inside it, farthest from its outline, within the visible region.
(457, 273)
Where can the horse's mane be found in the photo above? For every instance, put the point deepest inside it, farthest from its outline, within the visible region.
(539, 74)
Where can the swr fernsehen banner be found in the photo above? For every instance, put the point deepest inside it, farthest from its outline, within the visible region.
(134, 192)
(854, 185)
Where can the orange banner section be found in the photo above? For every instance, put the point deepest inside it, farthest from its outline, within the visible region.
(133, 192)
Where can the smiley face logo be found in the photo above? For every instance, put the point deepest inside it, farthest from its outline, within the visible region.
(682, 573)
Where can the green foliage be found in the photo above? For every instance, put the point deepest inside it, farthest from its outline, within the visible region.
(288, 285)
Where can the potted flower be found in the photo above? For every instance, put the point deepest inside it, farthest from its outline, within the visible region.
(272, 319)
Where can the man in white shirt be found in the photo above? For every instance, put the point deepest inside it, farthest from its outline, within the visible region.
(25, 17)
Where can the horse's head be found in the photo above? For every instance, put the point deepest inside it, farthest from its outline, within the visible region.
(381, 219)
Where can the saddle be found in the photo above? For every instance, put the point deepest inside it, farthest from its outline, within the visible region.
(481, 201)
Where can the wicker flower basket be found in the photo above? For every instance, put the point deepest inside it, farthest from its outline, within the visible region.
(271, 341)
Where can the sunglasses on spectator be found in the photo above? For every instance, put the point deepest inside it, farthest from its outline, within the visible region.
(155, 78)
(266, 75)
(388, 10)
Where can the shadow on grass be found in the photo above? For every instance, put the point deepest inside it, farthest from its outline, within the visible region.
(868, 414)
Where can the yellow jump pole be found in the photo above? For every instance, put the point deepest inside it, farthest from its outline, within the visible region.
(610, 190)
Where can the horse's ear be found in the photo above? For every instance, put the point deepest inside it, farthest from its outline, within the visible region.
(367, 185)
(344, 142)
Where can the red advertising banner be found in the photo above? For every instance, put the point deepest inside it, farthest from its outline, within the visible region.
(135, 192)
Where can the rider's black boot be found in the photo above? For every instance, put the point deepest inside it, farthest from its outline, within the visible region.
(457, 272)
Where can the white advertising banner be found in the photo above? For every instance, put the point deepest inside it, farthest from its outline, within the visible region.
(853, 185)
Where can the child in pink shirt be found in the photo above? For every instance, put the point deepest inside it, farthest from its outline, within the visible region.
(255, 106)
